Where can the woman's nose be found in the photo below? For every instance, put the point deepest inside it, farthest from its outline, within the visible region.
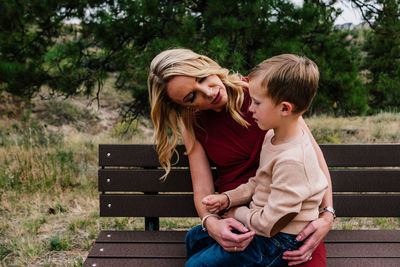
(208, 92)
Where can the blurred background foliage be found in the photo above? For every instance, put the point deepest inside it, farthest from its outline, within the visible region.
(360, 67)
(57, 57)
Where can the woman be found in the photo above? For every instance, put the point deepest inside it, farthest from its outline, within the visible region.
(196, 99)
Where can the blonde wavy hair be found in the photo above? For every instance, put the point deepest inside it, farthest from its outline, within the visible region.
(167, 114)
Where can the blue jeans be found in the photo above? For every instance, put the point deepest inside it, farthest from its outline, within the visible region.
(203, 250)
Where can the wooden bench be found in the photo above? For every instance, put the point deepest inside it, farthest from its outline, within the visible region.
(366, 183)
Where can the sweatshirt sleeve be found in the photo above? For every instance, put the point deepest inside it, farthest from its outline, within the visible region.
(242, 194)
(289, 188)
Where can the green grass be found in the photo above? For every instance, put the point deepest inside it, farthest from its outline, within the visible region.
(49, 214)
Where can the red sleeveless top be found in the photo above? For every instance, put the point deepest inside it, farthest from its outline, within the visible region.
(234, 149)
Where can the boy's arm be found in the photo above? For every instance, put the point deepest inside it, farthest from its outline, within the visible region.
(242, 194)
(283, 203)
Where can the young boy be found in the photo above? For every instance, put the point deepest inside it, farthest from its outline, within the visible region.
(288, 187)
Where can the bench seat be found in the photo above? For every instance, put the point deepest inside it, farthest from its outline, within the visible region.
(167, 248)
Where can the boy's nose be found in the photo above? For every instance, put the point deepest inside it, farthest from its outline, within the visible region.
(251, 107)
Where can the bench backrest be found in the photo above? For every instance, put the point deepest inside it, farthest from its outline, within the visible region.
(365, 181)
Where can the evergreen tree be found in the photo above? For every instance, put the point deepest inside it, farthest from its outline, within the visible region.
(340, 88)
(119, 38)
(28, 29)
(244, 33)
(383, 57)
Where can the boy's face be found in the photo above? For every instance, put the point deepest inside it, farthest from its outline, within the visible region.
(265, 112)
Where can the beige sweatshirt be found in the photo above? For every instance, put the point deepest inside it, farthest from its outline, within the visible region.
(286, 192)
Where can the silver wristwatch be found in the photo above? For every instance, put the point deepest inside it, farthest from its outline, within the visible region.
(328, 209)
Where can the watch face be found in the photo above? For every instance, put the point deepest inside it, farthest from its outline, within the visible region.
(328, 209)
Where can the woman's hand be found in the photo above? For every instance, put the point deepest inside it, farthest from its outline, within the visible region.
(315, 231)
(221, 231)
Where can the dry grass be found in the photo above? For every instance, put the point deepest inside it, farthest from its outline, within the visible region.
(49, 202)
(49, 214)
(381, 128)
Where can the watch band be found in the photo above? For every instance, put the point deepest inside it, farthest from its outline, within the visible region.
(328, 209)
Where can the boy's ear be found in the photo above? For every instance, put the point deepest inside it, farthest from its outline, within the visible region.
(286, 108)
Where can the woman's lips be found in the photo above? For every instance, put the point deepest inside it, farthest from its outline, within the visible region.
(217, 98)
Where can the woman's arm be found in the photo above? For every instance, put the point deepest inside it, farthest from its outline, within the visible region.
(203, 185)
(318, 229)
(327, 200)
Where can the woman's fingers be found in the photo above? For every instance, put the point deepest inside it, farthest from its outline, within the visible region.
(239, 241)
(308, 230)
(301, 255)
(313, 233)
(298, 257)
(221, 231)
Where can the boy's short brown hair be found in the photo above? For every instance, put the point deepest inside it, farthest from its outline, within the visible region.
(288, 77)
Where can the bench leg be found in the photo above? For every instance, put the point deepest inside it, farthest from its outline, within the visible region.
(152, 223)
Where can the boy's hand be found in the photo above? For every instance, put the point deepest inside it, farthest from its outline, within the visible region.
(215, 203)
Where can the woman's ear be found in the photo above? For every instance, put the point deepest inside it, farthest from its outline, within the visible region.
(286, 108)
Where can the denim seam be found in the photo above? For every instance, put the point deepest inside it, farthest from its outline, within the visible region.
(275, 259)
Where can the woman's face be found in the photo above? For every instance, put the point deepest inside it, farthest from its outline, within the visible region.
(207, 93)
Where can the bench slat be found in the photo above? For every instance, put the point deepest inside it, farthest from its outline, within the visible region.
(363, 262)
(119, 262)
(159, 250)
(363, 250)
(117, 180)
(365, 180)
(361, 155)
(128, 180)
(334, 236)
(141, 237)
(331, 262)
(342, 155)
(367, 205)
(140, 155)
(174, 205)
(363, 236)
(168, 205)
(136, 250)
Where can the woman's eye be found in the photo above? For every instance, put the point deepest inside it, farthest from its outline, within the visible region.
(190, 97)
(191, 100)
(201, 79)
